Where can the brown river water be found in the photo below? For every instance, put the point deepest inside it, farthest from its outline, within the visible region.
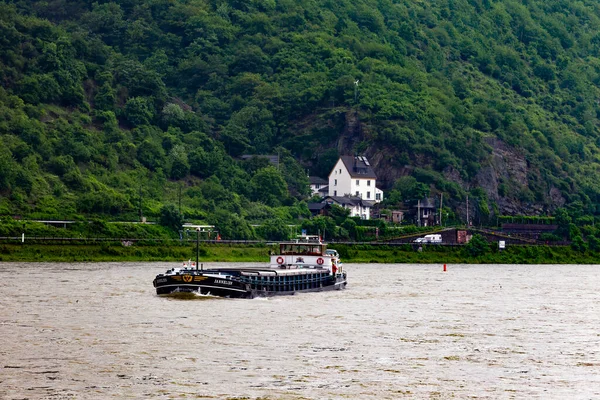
(98, 331)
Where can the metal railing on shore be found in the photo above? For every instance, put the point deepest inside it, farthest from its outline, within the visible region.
(44, 240)
(90, 240)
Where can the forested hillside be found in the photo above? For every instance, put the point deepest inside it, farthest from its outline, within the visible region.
(118, 108)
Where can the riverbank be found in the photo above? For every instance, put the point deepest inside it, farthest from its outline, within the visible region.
(212, 252)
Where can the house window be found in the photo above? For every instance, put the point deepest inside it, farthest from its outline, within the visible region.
(378, 196)
(335, 192)
(335, 182)
(357, 193)
(318, 186)
(340, 170)
(357, 182)
(368, 183)
(368, 195)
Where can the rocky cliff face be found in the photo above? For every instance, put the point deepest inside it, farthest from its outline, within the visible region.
(508, 166)
(504, 177)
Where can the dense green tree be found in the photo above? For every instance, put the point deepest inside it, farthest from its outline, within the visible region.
(6, 168)
(594, 243)
(151, 155)
(269, 187)
(477, 246)
(408, 188)
(563, 220)
(578, 244)
(231, 226)
(103, 201)
(105, 98)
(172, 114)
(339, 214)
(138, 111)
(178, 162)
(274, 229)
(320, 225)
(171, 217)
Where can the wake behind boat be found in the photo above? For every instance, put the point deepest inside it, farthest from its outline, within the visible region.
(303, 265)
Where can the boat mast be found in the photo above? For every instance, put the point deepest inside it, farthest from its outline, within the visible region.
(197, 246)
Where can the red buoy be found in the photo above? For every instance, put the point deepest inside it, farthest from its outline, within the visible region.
(444, 267)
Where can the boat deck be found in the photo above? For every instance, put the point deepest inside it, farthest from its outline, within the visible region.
(255, 270)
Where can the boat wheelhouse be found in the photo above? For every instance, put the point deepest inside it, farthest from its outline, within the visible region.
(305, 252)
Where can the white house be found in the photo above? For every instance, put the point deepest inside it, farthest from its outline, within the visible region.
(357, 206)
(354, 176)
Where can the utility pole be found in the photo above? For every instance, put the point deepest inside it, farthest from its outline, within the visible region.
(180, 198)
(441, 199)
(141, 216)
(467, 211)
(419, 213)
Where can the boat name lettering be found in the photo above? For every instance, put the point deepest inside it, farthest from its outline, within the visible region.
(222, 282)
(161, 280)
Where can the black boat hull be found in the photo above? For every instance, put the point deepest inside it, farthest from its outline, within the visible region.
(186, 283)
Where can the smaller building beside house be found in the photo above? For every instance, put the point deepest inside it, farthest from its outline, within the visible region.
(357, 206)
(318, 186)
(318, 209)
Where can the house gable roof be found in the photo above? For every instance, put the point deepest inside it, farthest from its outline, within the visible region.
(351, 201)
(358, 167)
(316, 206)
(314, 180)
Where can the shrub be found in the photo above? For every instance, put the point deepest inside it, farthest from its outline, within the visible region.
(477, 246)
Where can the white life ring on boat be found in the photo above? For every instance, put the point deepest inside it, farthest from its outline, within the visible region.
(320, 261)
(279, 260)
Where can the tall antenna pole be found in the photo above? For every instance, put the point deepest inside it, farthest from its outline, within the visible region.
(419, 212)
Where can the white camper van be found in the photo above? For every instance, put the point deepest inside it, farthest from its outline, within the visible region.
(434, 238)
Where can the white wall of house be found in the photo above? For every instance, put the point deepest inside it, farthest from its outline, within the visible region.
(363, 188)
(339, 180)
(315, 187)
(359, 211)
(362, 212)
(378, 195)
